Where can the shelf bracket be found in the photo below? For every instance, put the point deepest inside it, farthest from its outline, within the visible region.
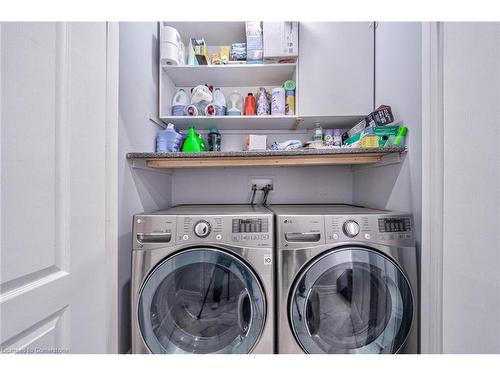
(141, 164)
(156, 120)
(297, 122)
(389, 159)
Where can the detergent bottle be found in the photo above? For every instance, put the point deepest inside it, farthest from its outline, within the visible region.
(193, 142)
(179, 103)
(219, 103)
(235, 104)
(168, 140)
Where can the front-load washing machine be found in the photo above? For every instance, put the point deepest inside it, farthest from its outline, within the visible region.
(346, 280)
(202, 280)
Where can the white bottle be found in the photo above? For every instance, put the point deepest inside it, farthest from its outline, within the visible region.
(318, 132)
(219, 102)
(235, 104)
(278, 102)
(179, 103)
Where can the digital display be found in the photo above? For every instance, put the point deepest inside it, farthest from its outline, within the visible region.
(394, 224)
(250, 225)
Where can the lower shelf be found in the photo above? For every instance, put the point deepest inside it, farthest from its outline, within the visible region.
(343, 156)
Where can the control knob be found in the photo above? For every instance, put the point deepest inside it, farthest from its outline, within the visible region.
(202, 228)
(351, 228)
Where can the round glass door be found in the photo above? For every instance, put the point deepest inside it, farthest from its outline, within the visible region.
(351, 300)
(201, 301)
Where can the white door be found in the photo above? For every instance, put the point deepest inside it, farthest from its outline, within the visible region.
(53, 188)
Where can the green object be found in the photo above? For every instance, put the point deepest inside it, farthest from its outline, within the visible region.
(193, 142)
(289, 85)
(386, 134)
(355, 138)
(400, 136)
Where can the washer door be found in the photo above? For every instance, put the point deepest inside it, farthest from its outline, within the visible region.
(201, 301)
(352, 300)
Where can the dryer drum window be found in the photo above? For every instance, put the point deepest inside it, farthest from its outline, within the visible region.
(352, 300)
(201, 301)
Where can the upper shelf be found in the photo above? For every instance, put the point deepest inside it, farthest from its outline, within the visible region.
(237, 75)
(234, 122)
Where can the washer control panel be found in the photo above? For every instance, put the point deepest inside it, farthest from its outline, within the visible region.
(239, 231)
(154, 231)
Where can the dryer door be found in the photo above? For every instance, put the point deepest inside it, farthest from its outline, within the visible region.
(201, 301)
(352, 300)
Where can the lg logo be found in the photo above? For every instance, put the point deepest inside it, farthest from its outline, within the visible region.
(268, 260)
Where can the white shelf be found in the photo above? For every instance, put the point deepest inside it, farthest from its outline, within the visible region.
(237, 75)
(234, 122)
(330, 122)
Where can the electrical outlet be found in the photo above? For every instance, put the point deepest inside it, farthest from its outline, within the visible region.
(261, 182)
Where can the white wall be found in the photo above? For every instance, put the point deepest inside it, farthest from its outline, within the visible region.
(292, 185)
(139, 190)
(398, 84)
(471, 258)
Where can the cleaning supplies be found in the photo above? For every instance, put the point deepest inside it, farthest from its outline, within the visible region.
(219, 102)
(214, 140)
(278, 101)
(249, 105)
(179, 103)
(238, 53)
(289, 97)
(256, 142)
(235, 104)
(318, 132)
(168, 140)
(400, 136)
(193, 142)
(262, 103)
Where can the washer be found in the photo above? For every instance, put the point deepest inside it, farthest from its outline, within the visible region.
(346, 280)
(202, 280)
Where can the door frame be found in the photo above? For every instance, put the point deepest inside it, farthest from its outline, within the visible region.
(431, 324)
(111, 209)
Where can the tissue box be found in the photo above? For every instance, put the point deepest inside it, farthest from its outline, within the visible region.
(256, 142)
(281, 42)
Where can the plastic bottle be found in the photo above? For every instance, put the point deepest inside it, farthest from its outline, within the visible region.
(219, 103)
(318, 132)
(179, 103)
(249, 105)
(235, 104)
(278, 101)
(193, 142)
(262, 103)
(214, 140)
(168, 140)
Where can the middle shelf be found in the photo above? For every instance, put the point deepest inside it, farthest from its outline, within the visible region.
(257, 123)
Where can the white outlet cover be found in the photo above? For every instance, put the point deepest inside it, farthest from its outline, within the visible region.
(261, 182)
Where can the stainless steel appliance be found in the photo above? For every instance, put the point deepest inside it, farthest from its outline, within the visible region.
(202, 280)
(346, 280)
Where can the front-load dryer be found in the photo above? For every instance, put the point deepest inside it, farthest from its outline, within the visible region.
(346, 280)
(202, 280)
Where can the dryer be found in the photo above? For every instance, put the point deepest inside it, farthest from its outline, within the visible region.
(346, 280)
(202, 280)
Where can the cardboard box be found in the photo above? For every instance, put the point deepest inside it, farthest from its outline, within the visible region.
(254, 42)
(256, 142)
(281, 42)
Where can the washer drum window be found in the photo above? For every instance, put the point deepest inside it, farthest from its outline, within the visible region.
(201, 301)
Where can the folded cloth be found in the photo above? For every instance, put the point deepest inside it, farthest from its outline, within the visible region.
(287, 145)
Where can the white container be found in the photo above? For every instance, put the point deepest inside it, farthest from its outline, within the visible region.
(179, 103)
(219, 102)
(281, 42)
(235, 104)
(278, 102)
